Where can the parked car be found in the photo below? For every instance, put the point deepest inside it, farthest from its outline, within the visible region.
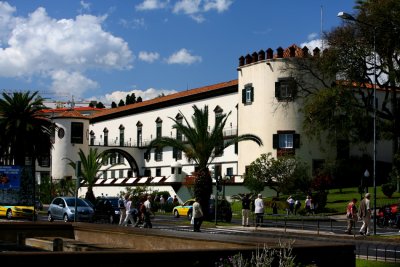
(183, 210)
(389, 216)
(63, 208)
(224, 210)
(106, 209)
(23, 212)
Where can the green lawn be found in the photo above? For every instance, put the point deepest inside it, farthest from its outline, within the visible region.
(337, 199)
(370, 263)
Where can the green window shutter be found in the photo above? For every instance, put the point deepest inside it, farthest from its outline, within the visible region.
(244, 96)
(275, 141)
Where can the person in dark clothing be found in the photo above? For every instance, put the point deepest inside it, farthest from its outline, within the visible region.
(245, 210)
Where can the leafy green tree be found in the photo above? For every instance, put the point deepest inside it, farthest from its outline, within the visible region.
(90, 167)
(201, 145)
(350, 56)
(113, 104)
(26, 131)
(283, 175)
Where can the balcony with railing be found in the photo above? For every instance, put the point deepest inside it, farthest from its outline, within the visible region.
(115, 142)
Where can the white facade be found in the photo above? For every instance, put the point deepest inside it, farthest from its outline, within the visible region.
(255, 108)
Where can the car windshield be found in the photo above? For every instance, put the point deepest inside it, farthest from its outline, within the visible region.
(79, 203)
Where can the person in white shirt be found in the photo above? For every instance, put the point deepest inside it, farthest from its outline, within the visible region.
(364, 213)
(147, 214)
(197, 216)
(129, 214)
(259, 210)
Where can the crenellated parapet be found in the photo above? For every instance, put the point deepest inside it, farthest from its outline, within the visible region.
(290, 52)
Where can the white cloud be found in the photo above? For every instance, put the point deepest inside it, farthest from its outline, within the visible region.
(219, 5)
(71, 83)
(84, 7)
(312, 36)
(195, 8)
(133, 23)
(151, 5)
(183, 56)
(188, 7)
(38, 45)
(149, 57)
(7, 22)
(147, 94)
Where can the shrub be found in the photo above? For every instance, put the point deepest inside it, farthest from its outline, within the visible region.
(388, 189)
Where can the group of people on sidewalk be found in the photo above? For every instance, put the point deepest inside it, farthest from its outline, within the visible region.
(353, 214)
(136, 215)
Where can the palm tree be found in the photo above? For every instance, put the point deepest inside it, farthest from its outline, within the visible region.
(26, 131)
(90, 167)
(201, 146)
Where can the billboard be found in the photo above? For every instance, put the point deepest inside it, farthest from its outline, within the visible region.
(16, 187)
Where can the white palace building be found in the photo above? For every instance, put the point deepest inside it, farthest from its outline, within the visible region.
(260, 100)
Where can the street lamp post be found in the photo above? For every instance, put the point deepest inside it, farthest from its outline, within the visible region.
(347, 16)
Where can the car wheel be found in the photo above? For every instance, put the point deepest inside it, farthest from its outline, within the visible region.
(49, 217)
(189, 216)
(176, 214)
(9, 214)
(66, 218)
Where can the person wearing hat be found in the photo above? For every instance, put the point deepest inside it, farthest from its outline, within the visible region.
(364, 213)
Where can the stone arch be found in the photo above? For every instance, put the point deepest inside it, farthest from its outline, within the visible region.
(131, 160)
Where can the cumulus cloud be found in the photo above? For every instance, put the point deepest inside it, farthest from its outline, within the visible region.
(183, 56)
(147, 94)
(74, 85)
(38, 45)
(149, 57)
(151, 5)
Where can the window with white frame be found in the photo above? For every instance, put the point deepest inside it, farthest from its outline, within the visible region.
(248, 94)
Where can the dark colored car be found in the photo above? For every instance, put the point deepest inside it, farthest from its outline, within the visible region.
(106, 209)
(224, 210)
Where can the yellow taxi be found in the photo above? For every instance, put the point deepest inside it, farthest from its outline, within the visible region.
(11, 212)
(182, 210)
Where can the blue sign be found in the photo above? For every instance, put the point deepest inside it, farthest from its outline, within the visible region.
(10, 177)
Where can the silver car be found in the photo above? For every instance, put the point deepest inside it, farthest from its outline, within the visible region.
(63, 208)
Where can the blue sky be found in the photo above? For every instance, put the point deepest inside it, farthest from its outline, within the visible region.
(104, 49)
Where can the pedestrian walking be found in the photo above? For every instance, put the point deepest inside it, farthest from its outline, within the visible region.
(364, 213)
(197, 215)
(308, 204)
(129, 212)
(290, 202)
(148, 213)
(245, 210)
(122, 208)
(351, 215)
(259, 210)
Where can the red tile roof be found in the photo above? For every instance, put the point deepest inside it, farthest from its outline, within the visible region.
(182, 94)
